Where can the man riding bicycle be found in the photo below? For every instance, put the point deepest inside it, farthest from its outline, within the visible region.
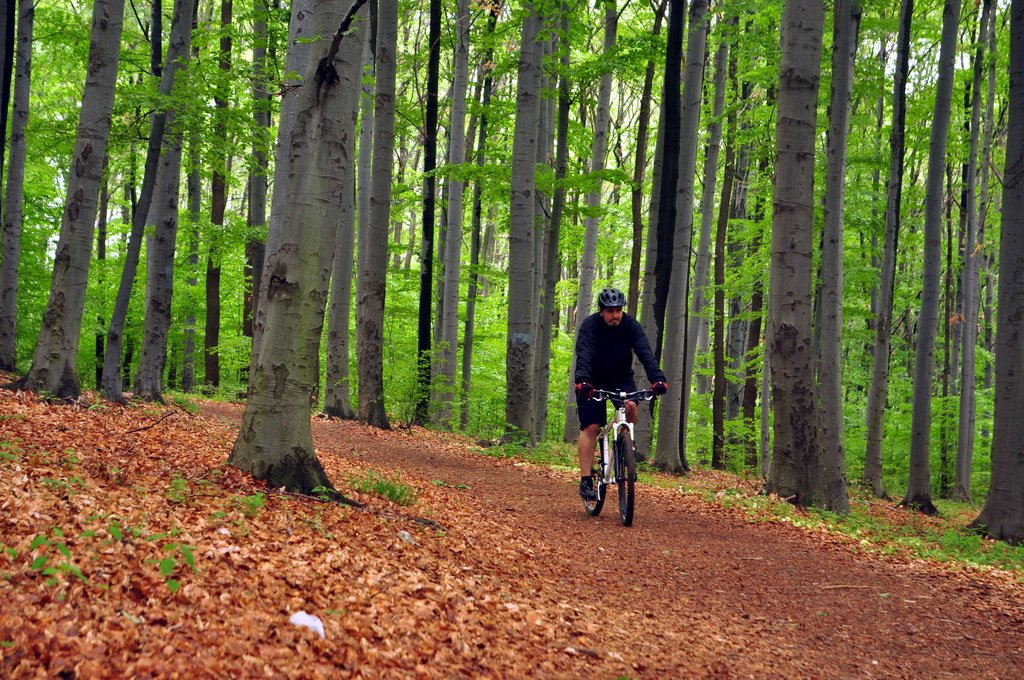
(605, 346)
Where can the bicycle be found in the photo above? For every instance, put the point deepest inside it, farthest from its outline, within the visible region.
(616, 464)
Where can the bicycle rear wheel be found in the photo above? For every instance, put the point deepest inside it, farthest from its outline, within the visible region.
(625, 476)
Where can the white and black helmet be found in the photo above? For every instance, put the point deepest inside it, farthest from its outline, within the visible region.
(611, 297)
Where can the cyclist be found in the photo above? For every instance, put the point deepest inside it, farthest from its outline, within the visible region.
(605, 345)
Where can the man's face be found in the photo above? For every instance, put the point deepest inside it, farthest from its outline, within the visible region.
(612, 316)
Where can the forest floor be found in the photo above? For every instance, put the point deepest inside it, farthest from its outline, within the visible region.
(129, 549)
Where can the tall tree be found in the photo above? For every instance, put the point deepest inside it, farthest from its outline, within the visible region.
(453, 233)
(796, 465)
(275, 441)
(918, 494)
(372, 285)
(845, 29)
(1002, 517)
(181, 27)
(423, 338)
(969, 285)
(54, 359)
(477, 212)
(879, 390)
(671, 442)
(521, 337)
(163, 217)
(598, 154)
(14, 202)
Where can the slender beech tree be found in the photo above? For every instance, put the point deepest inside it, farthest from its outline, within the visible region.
(275, 442)
(453, 238)
(592, 221)
(521, 337)
(426, 306)
(1002, 517)
(702, 260)
(918, 494)
(161, 243)
(476, 212)
(969, 285)
(372, 285)
(670, 451)
(845, 29)
(177, 49)
(14, 201)
(879, 390)
(796, 465)
(54, 359)
(255, 247)
(221, 162)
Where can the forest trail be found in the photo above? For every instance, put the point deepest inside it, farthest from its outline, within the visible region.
(693, 590)
(165, 562)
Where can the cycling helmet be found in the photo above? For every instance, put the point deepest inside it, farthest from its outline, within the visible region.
(611, 297)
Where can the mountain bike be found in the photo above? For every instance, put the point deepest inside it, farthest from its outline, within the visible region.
(615, 459)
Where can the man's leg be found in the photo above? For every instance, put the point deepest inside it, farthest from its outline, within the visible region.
(585, 448)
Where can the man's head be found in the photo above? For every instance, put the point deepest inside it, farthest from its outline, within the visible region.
(610, 301)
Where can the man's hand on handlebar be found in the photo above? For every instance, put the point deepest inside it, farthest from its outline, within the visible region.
(585, 390)
(659, 387)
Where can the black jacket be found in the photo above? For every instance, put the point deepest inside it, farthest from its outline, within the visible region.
(604, 355)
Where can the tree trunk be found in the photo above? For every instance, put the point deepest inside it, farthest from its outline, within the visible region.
(879, 390)
(591, 224)
(300, 28)
(453, 236)
(640, 170)
(275, 442)
(14, 201)
(521, 340)
(184, 10)
(163, 217)
(54, 360)
(477, 213)
(919, 482)
(370, 311)
(965, 439)
(845, 30)
(1002, 517)
(195, 207)
(426, 305)
(670, 450)
(796, 466)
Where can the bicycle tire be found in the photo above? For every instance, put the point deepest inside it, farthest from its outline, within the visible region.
(625, 476)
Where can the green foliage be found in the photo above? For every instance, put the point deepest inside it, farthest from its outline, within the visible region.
(250, 505)
(178, 491)
(52, 546)
(389, 488)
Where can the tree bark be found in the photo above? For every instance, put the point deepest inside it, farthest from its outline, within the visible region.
(54, 359)
(1002, 517)
(275, 442)
(184, 10)
(879, 389)
(670, 449)
(846, 25)
(14, 202)
(521, 338)
(372, 289)
(796, 466)
(918, 494)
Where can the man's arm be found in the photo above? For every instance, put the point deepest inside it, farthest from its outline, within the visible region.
(584, 353)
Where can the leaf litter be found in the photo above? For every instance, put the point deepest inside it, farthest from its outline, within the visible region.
(128, 548)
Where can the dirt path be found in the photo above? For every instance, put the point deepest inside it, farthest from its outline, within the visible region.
(696, 590)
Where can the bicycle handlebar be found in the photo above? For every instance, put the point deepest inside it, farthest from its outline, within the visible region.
(618, 396)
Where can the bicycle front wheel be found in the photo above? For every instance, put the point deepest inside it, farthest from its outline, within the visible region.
(625, 474)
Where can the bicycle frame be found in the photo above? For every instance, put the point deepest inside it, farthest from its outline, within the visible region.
(606, 437)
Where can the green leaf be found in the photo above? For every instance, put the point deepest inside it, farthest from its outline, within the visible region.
(37, 541)
(173, 585)
(63, 550)
(38, 562)
(167, 566)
